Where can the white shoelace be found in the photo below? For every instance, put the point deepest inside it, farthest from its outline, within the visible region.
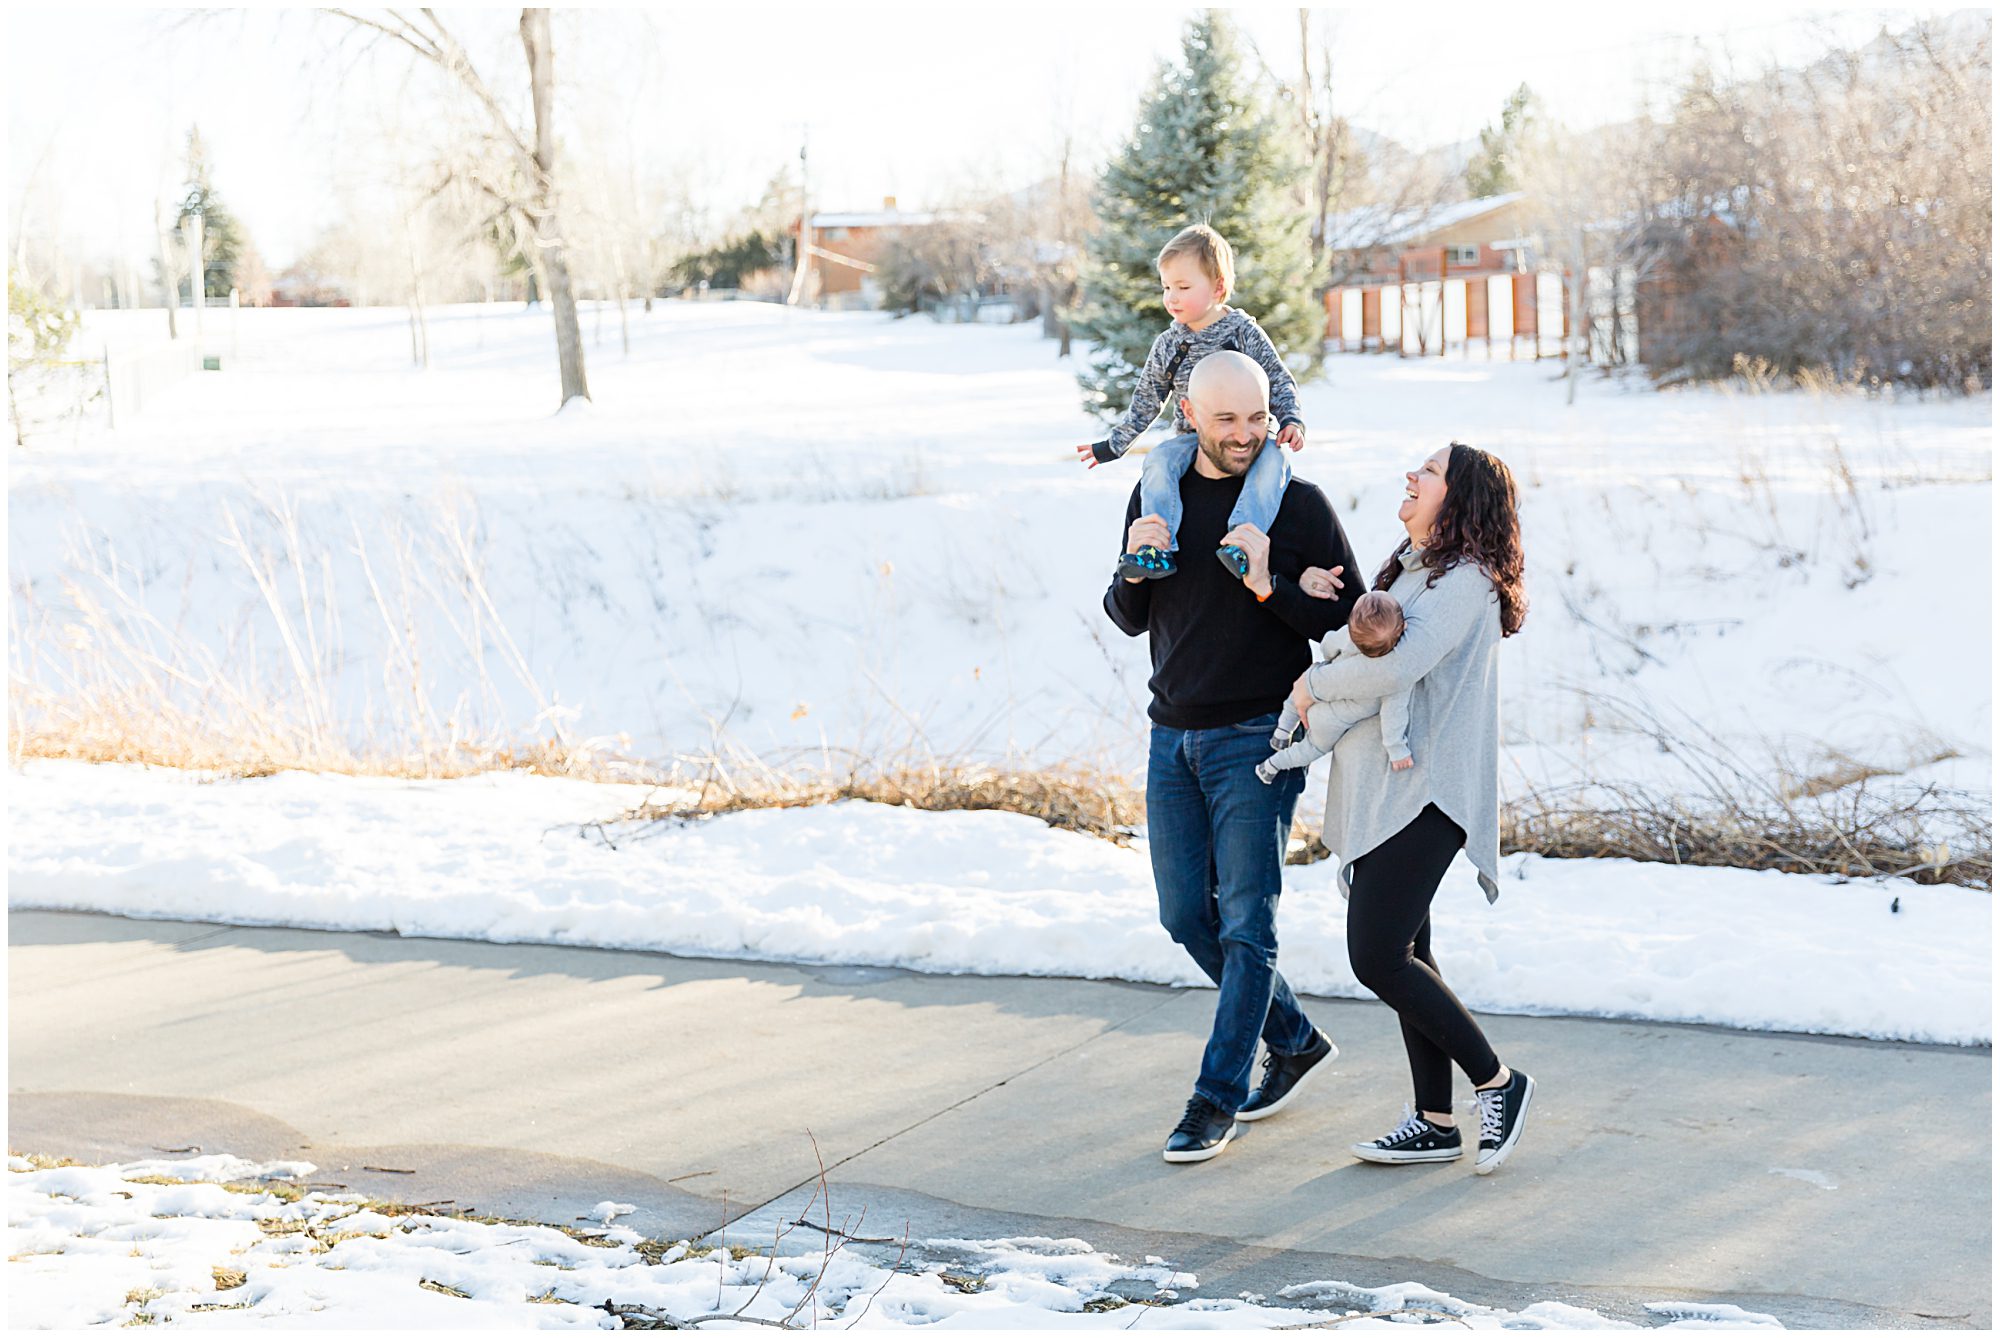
(1409, 1128)
(1492, 1107)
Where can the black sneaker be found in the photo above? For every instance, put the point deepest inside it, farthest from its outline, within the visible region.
(1204, 1130)
(1148, 564)
(1416, 1139)
(1285, 1074)
(1502, 1112)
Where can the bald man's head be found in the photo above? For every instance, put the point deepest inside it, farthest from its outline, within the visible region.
(1229, 403)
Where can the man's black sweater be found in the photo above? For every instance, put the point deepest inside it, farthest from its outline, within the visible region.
(1220, 657)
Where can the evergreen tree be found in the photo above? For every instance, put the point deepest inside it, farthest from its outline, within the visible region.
(222, 235)
(1491, 171)
(1206, 149)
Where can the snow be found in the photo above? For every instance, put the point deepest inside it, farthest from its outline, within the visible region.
(814, 535)
(1373, 225)
(101, 1246)
(520, 858)
(847, 532)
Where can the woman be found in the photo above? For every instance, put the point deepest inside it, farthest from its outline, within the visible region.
(1458, 578)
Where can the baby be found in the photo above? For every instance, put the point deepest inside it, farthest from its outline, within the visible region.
(1374, 628)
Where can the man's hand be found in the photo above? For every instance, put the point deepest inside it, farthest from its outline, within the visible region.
(1292, 435)
(1302, 697)
(1403, 765)
(1087, 456)
(1256, 546)
(1321, 583)
(1145, 530)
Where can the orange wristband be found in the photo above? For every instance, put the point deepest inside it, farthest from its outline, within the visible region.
(1268, 593)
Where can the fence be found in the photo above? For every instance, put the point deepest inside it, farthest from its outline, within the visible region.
(1501, 315)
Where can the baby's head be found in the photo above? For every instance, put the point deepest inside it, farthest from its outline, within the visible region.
(1376, 623)
(1197, 273)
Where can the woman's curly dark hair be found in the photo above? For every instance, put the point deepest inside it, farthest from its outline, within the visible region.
(1479, 522)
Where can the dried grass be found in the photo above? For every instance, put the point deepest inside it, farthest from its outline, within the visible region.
(1725, 810)
(1073, 796)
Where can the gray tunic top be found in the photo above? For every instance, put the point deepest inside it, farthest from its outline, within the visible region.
(1449, 660)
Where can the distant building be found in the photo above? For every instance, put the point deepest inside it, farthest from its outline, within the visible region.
(1418, 281)
(301, 285)
(843, 250)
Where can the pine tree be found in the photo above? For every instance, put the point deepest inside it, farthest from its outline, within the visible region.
(1206, 148)
(222, 235)
(1491, 170)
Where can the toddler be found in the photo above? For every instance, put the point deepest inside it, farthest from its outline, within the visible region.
(1197, 275)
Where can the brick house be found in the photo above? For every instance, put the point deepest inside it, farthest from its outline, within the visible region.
(1419, 281)
(843, 249)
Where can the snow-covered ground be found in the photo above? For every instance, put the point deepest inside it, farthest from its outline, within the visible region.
(162, 1241)
(850, 531)
(796, 531)
(519, 858)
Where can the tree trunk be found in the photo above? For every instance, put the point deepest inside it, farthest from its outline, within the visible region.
(535, 40)
(1579, 317)
(170, 281)
(420, 335)
(618, 271)
(197, 250)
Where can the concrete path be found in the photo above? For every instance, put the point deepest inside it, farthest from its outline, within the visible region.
(1830, 1183)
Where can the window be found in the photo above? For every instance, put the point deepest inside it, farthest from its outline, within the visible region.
(1462, 255)
(834, 234)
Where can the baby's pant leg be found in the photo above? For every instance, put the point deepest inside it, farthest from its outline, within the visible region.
(1326, 722)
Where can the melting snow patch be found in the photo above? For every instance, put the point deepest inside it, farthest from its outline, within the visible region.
(1688, 1315)
(153, 1242)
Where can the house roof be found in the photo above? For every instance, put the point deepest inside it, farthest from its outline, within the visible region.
(1378, 225)
(875, 218)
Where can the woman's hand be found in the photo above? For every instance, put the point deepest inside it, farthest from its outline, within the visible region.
(1302, 697)
(1322, 582)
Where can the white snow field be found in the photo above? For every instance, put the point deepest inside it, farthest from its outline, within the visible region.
(799, 531)
(851, 531)
(519, 858)
(162, 1241)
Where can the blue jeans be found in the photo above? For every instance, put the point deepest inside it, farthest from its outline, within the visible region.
(1217, 836)
(1160, 485)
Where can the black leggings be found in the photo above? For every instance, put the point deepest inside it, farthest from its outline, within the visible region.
(1389, 946)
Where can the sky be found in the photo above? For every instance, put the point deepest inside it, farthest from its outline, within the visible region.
(925, 103)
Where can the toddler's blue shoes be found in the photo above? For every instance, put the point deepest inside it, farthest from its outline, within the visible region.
(1148, 564)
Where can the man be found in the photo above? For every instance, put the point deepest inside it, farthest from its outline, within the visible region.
(1226, 651)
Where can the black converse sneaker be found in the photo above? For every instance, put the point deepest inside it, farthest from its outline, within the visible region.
(1204, 1130)
(1284, 1075)
(1502, 1112)
(1416, 1139)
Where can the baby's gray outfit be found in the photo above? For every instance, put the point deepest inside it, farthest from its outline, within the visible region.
(1327, 721)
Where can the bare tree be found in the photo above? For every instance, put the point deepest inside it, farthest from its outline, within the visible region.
(1327, 139)
(532, 190)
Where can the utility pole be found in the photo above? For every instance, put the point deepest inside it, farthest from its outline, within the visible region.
(802, 253)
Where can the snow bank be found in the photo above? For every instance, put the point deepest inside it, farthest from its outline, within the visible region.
(509, 858)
